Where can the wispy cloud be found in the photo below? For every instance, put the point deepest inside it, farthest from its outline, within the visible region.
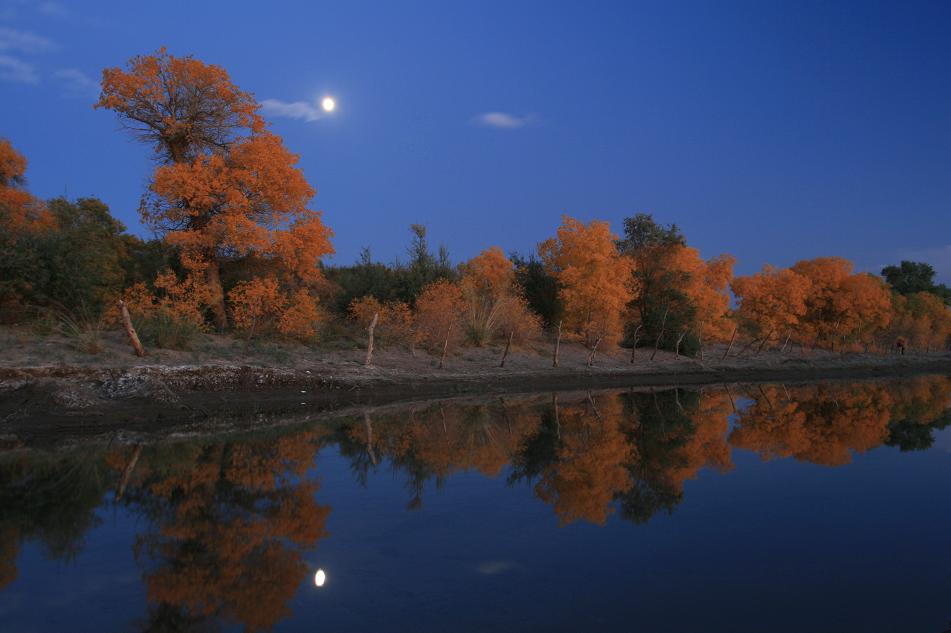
(301, 110)
(54, 10)
(493, 567)
(12, 40)
(76, 83)
(17, 70)
(939, 257)
(502, 120)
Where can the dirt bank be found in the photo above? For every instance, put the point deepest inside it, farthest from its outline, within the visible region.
(116, 390)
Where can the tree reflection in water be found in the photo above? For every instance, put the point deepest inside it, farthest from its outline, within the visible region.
(229, 520)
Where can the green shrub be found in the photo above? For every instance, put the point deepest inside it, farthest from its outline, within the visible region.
(164, 329)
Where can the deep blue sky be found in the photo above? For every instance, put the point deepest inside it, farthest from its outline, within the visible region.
(773, 131)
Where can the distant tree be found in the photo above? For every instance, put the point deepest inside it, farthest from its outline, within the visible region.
(76, 265)
(364, 278)
(642, 232)
(678, 296)
(540, 288)
(423, 267)
(910, 277)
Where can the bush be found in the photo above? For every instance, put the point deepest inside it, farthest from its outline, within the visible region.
(164, 329)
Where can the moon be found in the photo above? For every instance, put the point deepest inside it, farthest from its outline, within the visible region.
(328, 104)
(320, 578)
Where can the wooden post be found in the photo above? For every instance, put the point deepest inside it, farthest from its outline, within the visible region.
(554, 360)
(127, 322)
(445, 346)
(507, 346)
(730, 346)
(593, 350)
(636, 339)
(663, 323)
(376, 316)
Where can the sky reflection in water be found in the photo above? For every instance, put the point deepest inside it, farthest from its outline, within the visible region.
(748, 508)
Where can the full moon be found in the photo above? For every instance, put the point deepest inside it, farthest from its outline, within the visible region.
(328, 104)
(320, 577)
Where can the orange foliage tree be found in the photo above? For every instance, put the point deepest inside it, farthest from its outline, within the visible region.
(922, 320)
(840, 305)
(595, 279)
(19, 211)
(395, 323)
(771, 301)
(706, 288)
(438, 315)
(226, 188)
(492, 301)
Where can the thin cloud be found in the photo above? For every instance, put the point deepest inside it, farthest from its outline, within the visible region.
(12, 40)
(503, 120)
(17, 70)
(54, 10)
(76, 83)
(300, 110)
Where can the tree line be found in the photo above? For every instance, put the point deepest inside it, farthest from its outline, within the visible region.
(238, 249)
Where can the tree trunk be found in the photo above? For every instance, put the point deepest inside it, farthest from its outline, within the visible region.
(554, 360)
(700, 341)
(218, 309)
(127, 323)
(730, 346)
(663, 324)
(785, 343)
(127, 471)
(368, 425)
(445, 346)
(594, 349)
(746, 347)
(730, 394)
(763, 344)
(376, 317)
(677, 344)
(508, 344)
(636, 339)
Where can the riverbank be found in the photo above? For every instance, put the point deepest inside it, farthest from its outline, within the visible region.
(223, 375)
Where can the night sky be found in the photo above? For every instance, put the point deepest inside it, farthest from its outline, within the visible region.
(773, 131)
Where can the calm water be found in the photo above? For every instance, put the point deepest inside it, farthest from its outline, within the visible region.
(754, 508)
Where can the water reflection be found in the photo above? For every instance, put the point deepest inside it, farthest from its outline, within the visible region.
(226, 523)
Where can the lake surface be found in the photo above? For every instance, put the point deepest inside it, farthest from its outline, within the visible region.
(821, 507)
